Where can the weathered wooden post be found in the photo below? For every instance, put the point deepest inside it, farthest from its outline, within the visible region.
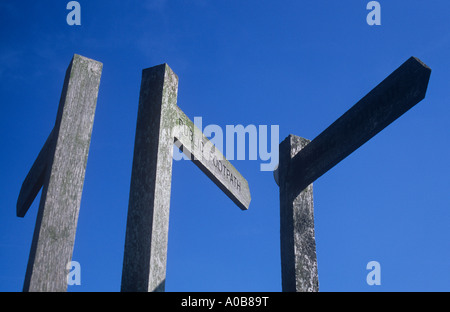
(301, 163)
(59, 169)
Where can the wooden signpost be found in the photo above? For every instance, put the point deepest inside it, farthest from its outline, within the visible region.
(60, 168)
(160, 124)
(302, 162)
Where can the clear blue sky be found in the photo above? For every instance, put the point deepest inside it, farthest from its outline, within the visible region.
(296, 64)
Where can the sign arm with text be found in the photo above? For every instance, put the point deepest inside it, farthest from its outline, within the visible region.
(195, 145)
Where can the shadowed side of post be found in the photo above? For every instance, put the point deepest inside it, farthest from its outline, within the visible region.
(297, 239)
(35, 177)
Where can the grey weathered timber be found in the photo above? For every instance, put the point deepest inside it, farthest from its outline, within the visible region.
(394, 96)
(301, 163)
(160, 124)
(60, 169)
(297, 240)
